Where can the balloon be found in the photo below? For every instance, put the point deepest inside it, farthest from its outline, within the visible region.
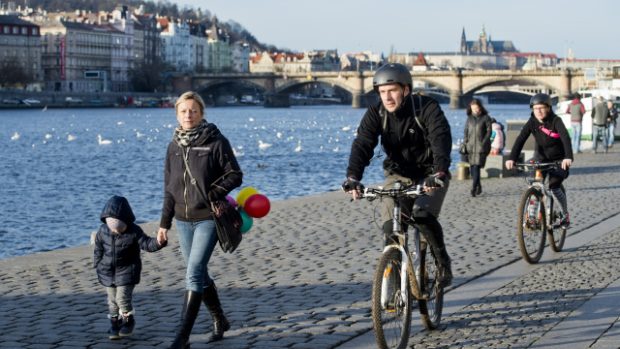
(246, 221)
(244, 194)
(257, 206)
(231, 201)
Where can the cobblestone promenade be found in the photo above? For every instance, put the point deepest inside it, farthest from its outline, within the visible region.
(301, 279)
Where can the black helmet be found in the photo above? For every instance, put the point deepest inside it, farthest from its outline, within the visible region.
(392, 73)
(540, 98)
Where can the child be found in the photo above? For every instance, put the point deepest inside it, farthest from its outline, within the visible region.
(117, 260)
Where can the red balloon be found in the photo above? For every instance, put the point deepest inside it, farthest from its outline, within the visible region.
(257, 206)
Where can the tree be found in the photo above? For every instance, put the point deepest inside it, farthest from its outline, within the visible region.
(149, 76)
(13, 74)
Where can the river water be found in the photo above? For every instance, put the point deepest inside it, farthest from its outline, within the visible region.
(56, 176)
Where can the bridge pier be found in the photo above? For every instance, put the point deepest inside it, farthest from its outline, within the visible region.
(357, 100)
(456, 101)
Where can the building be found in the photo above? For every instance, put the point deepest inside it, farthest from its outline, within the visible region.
(240, 57)
(83, 57)
(484, 45)
(175, 41)
(20, 47)
(220, 54)
(147, 49)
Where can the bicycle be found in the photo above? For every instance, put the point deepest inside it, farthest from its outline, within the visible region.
(537, 214)
(402, 276)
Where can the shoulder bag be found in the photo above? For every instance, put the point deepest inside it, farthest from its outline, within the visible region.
(226, 217)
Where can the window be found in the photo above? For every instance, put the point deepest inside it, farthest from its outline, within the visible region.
(24, 31)
(35, 31)
(15, 30)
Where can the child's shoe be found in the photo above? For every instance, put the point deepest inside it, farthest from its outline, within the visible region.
(128, 325)
(115, 326)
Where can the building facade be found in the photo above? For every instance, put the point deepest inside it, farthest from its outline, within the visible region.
(20, 46)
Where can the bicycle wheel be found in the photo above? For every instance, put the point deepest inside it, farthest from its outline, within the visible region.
(391, 311)
(532, 226)
(557, 236)
(432, 306)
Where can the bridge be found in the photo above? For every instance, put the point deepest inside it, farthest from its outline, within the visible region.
(460, 85)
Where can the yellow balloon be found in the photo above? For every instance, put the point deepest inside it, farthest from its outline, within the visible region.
(244, 194)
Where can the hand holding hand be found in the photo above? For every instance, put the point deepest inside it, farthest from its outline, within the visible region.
(162, 236)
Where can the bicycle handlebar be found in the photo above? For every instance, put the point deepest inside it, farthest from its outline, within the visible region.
(539, 165)
(413, 191)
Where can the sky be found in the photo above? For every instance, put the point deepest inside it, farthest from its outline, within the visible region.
(589, 28)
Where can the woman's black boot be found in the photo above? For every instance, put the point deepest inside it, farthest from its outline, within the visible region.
(191, 306)
(220, 323)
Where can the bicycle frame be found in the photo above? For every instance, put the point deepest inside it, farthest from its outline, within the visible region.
(412, 266)
(538, 183)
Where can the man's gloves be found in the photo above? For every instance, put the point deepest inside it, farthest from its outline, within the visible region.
(352, 184)
(437, 180)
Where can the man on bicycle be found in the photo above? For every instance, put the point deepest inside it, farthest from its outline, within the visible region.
(552, 144)
(416, 138)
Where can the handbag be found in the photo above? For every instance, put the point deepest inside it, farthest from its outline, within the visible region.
(226, 217)
(227, 224)
(463, 149)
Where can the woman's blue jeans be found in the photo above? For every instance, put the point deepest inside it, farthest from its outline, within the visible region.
(197, 241)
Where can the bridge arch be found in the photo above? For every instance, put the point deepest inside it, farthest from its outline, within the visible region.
(473, 88)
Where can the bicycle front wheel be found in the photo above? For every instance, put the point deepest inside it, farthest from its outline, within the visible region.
(431, 305)
(391, 306)
(557, 237)
(532, 226)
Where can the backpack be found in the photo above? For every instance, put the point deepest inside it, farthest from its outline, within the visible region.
(503, 135)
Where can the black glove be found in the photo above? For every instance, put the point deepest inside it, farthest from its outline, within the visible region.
(437, 180)
(216, 194)
(352, 184)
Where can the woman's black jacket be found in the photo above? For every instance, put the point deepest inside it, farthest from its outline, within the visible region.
(213, 165)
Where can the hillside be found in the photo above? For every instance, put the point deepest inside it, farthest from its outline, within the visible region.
(164, 8)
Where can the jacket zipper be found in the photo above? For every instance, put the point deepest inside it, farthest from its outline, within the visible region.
(113, 258)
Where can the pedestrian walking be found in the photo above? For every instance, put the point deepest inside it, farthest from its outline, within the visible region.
(477, 139)
(199, 162)
(117, 261)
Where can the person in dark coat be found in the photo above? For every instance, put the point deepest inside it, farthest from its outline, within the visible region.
(200, 166)
(553, 144)
(416, 138)
(477, 139)
(117, 261)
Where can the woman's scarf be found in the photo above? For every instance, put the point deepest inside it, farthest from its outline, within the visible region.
(186, 138)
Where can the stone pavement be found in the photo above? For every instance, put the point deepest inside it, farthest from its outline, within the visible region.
(301, 278)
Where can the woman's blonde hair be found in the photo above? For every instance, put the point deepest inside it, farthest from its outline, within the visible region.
(190, 95)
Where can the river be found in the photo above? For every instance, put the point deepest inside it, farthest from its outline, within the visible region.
(56, 176)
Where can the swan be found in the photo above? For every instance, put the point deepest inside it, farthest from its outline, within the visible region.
(103, 141)
(15, 136)
(346, 128)
(262, 145)
(71, 137)
(298, 147)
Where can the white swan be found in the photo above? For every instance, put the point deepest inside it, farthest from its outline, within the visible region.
(103, 141)
(71, 138)
(262, 145)
(346, 128)
(15, 136)
(298, 147)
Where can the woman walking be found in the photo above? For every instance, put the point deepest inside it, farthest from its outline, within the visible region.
(199, 165)
(477, 139)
